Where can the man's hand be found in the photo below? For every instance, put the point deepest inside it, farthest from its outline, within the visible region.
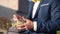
(27, 26)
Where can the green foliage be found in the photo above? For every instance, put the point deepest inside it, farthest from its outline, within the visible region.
(58, 32)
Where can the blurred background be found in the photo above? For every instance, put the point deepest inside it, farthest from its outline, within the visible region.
(9, 7)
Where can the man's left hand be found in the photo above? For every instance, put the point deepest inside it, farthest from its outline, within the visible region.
(27, 26)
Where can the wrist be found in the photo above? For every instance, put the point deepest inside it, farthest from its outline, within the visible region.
(34, 25)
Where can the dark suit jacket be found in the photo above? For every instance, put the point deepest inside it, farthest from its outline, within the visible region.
(47, 17)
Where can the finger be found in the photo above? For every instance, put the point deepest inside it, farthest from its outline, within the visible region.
(21, 25)
(15, 19)
(17, 16)
(14, 16)
(25, 20)
(24, 28)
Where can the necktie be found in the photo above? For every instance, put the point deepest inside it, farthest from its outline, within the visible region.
(35, 1)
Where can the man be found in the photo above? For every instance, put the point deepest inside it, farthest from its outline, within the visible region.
(43, 17)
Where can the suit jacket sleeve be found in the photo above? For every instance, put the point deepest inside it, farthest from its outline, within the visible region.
(54, 23)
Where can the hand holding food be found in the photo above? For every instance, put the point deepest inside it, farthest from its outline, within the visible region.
(18, 20)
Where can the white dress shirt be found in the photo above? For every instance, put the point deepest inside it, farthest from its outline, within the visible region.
(35, 8)
(34, 12)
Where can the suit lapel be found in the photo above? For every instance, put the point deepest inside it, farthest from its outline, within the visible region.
(30, 10)
(31, 6)
(40, 4)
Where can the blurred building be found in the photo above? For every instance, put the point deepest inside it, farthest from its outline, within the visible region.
(8, 8)
(12, 4)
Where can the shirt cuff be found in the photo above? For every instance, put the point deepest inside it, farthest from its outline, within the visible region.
(35, 26)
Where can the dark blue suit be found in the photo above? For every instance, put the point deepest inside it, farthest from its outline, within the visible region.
(47, 17)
